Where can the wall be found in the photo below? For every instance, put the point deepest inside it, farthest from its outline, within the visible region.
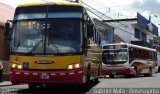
(1, 41)
(124, 30)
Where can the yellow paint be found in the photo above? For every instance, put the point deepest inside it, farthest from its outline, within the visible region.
(120, 60)
(60, 62)
(33, 22)
(29, 23)
(23, 23)
(50, 3)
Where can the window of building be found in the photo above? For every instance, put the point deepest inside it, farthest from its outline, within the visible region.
(137, 33)
(144, 38)
(140, 35)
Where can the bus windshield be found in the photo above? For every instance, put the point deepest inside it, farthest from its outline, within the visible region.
(62, 36)
(38, 34)
(116, 56)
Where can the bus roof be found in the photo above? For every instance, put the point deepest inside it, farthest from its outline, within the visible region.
(51, 3)
(132, 45)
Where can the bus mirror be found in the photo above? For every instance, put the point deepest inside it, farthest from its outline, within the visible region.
(7, 27)
(89, 30)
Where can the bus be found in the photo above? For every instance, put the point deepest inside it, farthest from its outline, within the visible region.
(54, 43)
(158, 57)
(128, 59)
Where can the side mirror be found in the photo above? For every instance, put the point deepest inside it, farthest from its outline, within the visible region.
(89, 30)
(7, 27)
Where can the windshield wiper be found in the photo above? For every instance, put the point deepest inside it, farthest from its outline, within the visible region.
(38, 43)
(55, 46)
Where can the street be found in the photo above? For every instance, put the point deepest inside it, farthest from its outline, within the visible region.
(117, 82)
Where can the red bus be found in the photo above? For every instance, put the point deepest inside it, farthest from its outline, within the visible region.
(128, 59)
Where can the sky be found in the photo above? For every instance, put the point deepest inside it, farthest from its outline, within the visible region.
(115, 8)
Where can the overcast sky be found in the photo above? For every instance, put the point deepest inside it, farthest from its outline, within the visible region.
(119, 8)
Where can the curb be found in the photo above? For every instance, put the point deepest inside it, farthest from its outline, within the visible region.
(5, 83)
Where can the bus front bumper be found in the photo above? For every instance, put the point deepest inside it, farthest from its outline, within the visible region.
(46, 77)
(117, 71)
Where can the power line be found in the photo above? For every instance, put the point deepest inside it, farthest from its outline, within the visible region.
(103, 16)
(108, 8)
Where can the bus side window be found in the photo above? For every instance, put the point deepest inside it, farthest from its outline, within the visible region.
(150, 55)
(155, 56)
(147, 54)
(135, 53)
(131, 53)
(143, 54)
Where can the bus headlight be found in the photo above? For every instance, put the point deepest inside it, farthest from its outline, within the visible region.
(77, 66)
(14, 65)
(19, 67)
(73, 66)
(70, 67)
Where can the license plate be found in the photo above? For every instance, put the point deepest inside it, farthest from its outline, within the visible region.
(113, 72)
(44, 76)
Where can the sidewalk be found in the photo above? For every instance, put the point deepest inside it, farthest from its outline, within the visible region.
(5, 80)
(5, 83)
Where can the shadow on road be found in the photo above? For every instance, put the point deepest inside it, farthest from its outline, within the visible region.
(58, 89)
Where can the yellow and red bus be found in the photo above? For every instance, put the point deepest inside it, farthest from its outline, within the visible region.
(128, 59)
(54, 43)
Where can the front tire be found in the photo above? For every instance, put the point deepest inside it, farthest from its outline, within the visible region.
(149, 73)
(96, 80)
(32, 86)
(88, 76)
(87, 83)
(135, 73)
(111, 76)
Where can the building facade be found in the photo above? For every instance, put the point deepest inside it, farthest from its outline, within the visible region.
(6, 13)
(139, 31)
(106, 30)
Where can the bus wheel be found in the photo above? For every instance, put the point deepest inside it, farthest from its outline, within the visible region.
(88, 77)
(96, 80)
(135, 73)
(31, 86)
(149, 73)
(158, 68)
(111, 76)
(88, 80)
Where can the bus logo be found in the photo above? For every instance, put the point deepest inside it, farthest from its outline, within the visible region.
(25, 65)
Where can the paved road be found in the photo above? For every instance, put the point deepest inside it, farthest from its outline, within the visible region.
(118, 82)
(122, 82)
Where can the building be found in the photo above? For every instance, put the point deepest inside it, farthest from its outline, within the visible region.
(139, 31)
(106, 30)
(6, 13)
